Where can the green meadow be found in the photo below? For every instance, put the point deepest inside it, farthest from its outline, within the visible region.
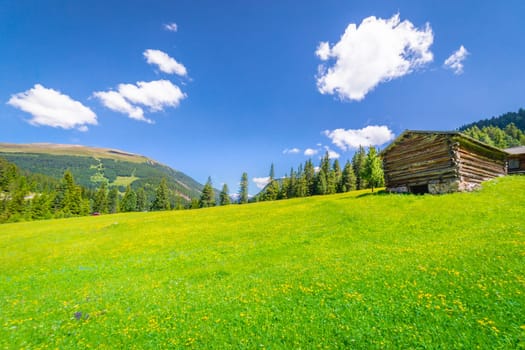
(355, 270)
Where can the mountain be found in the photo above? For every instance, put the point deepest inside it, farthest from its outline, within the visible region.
(91, 166)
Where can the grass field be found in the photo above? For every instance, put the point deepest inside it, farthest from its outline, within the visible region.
(354, 271)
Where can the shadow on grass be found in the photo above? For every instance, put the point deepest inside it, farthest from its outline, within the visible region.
(376, 193)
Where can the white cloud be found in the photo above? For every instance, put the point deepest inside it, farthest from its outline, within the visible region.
(115, 101)
(172, 27)
(372, 135)
(376, 51)
(455, 61)
(331, 154)
(294, 150)
(260, 182)
(165, 63)
(52, 108)
(156, 95)
(310, 152)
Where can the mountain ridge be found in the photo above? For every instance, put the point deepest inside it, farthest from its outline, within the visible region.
(93, 165)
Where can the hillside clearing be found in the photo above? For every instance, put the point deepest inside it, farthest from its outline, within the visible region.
(351, 270)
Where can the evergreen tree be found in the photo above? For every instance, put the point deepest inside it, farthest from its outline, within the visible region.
(338, 176)
(142, 200)
(331, 182)
(161, 201)
(292, 184)
(309, 172)
(284, 189)
(301, 188)
(41, 207)
(68, 199)
(325, 163)
(224, 197)
(348, 178)
(207, 198)
(271, 191)
(129, 201)
(113, 200)
(358, 163)
(373, 171)
(100, 202)
(320, 183)
(18, 207)
(194, 203)
(243, 190)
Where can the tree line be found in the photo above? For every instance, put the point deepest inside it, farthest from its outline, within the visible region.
(25, 196)
(364, 171)
(506, 137)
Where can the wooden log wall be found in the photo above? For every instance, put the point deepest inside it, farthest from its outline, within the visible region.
(418, 159)
(475, 168)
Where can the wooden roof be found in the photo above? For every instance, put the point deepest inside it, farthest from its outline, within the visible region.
(516, 150)
(451, 133)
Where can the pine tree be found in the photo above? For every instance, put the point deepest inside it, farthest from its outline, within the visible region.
(301, 188)
(194, 203)
(129, 201)
(224, 197)
(338, 176)
(320, 183)
(284, 188)
(113, 200)
(309, 172)
(100, 202)
(292, 184)
(358, 163)
(207, 198)
(325, 163)
(142, 200)
(161, 201)
(40, 207)
(373, 171)
(243, 190)
(271, 191)
(348, 178)
(331, 182)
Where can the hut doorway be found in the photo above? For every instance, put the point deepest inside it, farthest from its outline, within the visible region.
(419, 189)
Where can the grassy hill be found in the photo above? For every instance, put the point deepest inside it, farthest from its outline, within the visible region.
(352, 270)
(90, 166)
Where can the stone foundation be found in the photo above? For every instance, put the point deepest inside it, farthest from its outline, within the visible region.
(439, 187)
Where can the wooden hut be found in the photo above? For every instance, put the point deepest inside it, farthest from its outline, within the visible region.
(439, 162)
(516, 160)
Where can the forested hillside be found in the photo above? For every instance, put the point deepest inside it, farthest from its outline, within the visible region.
(93, 166)
(26, 196)
(507, 130)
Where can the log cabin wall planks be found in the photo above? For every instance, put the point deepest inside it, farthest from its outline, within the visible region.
(439, 162)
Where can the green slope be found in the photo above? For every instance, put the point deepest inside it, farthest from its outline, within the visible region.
(354, 270)
(91, 165)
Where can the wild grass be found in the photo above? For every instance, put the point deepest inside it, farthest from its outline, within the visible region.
(354, 270)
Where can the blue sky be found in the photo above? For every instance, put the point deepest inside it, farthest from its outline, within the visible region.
(216, 88)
